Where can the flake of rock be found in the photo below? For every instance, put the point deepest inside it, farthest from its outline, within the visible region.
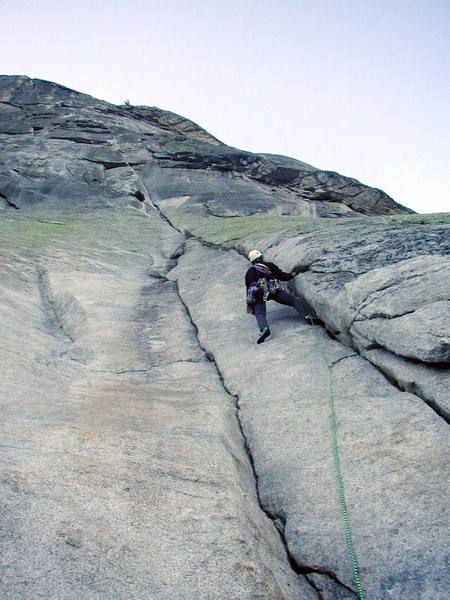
(431, 382)
(423, 334)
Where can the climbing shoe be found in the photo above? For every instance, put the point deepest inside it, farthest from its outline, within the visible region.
(264, 335)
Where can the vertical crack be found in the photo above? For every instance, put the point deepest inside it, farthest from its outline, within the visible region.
(314, 587)
(115, 145)
(299, 569)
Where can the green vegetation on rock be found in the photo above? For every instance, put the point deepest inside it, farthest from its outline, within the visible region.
(115, 237)
(230, 231)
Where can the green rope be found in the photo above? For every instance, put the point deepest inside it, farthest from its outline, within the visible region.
(339, 479)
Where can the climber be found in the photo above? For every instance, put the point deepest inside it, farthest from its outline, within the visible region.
(262, 283)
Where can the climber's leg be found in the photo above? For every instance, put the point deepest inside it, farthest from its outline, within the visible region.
(283, 297)
(260, 314)
(264, 335)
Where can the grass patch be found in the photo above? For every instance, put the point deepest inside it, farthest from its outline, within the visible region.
(113, 237)
(229, 231)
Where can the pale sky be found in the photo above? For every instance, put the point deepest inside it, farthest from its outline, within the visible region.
(355, 86)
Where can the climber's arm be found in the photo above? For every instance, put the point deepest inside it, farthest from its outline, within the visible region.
(279, 274)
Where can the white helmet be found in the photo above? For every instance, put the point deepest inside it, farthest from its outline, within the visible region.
(254, 255)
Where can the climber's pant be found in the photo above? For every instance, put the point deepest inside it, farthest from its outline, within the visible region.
(280, 296)
(260, 314)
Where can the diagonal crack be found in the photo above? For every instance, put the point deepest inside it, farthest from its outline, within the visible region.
(299, 569)
(277, 520)
(8, 202)
(48, 303)
(375, 295)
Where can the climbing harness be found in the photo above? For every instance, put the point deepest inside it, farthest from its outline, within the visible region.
(258, 290)
(265, 285)
(337, 464)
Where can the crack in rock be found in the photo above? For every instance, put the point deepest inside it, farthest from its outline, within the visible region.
(8, 202)
(301, 570)
(211, 358)
(147, 370)
(376, 295)
(49, 305)
(380, 315)
(167, 220)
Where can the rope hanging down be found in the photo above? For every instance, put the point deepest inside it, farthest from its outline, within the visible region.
(339, 479)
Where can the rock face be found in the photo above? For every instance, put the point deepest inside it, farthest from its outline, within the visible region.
(150, 448)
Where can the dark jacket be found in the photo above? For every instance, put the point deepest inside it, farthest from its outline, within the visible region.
(253, 275)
